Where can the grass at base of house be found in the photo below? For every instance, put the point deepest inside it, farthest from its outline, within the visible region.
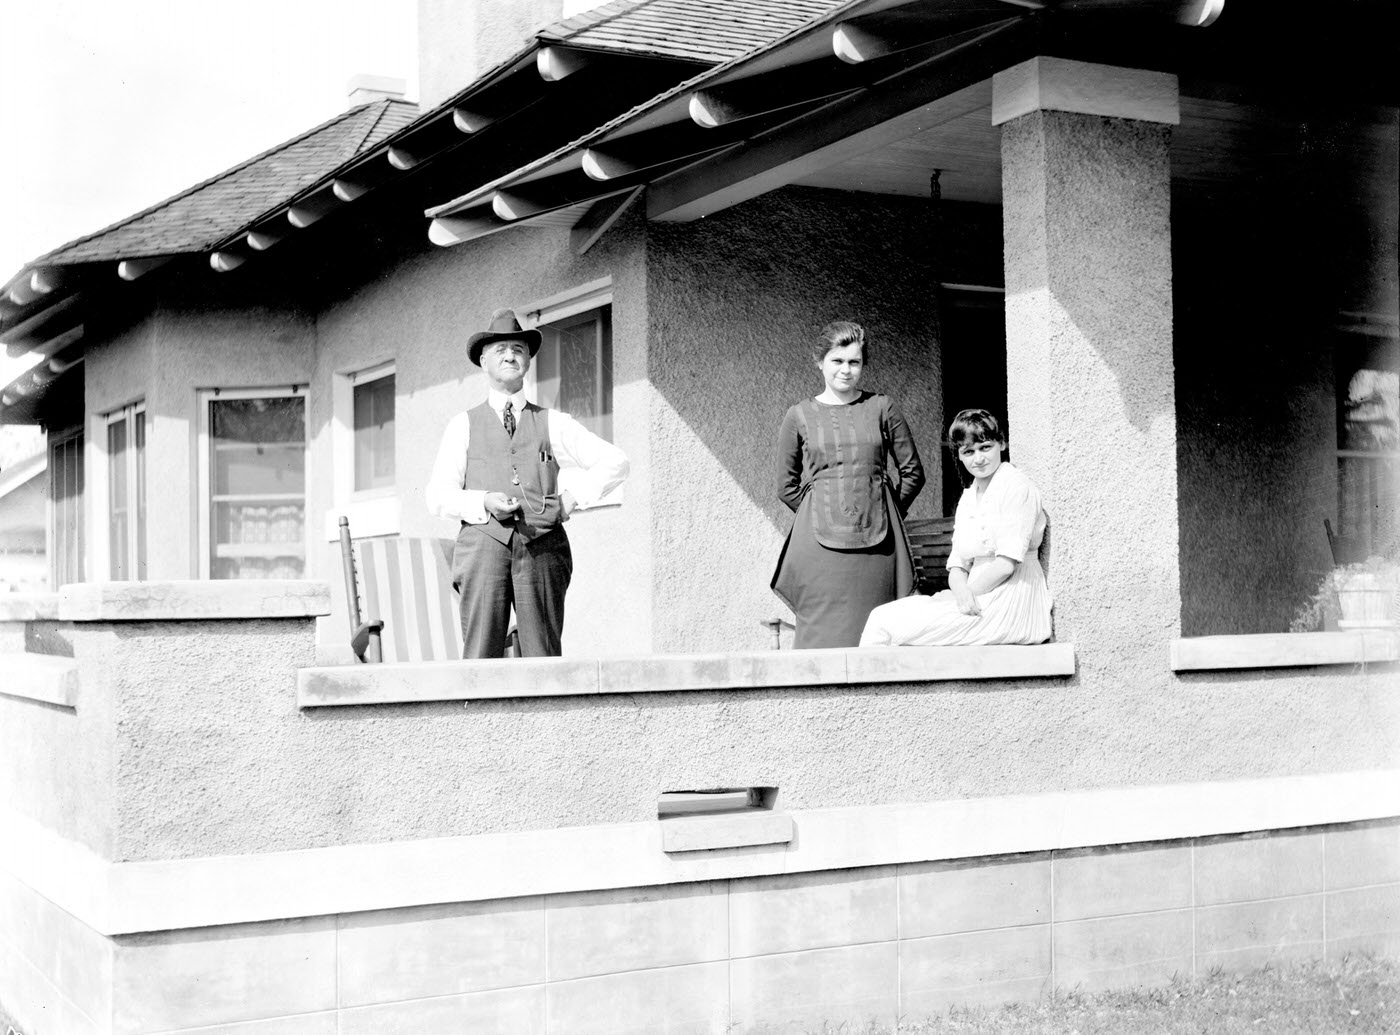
(1359, 995)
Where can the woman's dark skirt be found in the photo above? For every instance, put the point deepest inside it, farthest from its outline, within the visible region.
(832, 592)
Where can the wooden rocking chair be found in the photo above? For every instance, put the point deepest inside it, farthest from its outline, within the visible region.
(411, 612)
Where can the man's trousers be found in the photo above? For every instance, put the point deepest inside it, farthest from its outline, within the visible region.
(533, 575)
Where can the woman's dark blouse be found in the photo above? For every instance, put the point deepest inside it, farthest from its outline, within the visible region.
(837, 453)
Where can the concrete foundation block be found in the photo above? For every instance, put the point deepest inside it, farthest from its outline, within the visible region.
(391, 955)
(980, 968)
(680, 1000)
(1363, 855)
(1364, 920)
(811, 911)
(1273, 866)
(243, 972)
(946, 898)
(1258, 932)
(1122, 951)
(795, 993)
(1123, 880)
(635, 929)
(510, 1011)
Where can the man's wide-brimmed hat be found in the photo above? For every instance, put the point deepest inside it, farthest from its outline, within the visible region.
(504, 327)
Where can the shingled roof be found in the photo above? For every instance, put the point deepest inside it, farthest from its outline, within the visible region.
(701, 30)
(209, 211)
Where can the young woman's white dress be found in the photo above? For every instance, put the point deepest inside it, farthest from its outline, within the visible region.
(1008, 521)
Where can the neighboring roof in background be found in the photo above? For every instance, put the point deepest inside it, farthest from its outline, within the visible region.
(208, 211)
(18, 443)
(22, 471)
(701, 30)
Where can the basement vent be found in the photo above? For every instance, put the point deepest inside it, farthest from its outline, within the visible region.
(716, 801)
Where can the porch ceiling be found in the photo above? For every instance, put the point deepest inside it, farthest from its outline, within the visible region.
(877, 95)
(1220, 146)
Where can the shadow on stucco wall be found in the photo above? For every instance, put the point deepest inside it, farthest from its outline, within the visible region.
(1258, 304)
(735, 303)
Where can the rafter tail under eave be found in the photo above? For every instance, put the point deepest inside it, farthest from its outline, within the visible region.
(48, 348)
(556, 63)
(135, 269)
(347, 190)
(446, 231)
(468, 121)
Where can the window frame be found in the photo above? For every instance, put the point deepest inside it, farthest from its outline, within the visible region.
(371, 512)
(595, 294)
(100, 483)
(77, 433)
(205, 467)
(1381, 336)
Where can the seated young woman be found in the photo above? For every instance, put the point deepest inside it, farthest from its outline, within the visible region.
(997, 591)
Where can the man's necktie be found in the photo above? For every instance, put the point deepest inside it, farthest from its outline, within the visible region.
(508, 418)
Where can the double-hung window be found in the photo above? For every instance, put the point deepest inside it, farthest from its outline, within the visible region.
(364, 479)
(253, 483)
(126, 493)
(573, 369)
(66, 488)
(1368, 443)
(373, 404)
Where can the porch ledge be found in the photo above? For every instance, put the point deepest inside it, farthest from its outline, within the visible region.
(40, 677)
(1285, 650)
(193, 600)
(28, 607)
(757, 670)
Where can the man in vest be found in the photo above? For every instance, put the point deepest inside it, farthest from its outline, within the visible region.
(497, 471)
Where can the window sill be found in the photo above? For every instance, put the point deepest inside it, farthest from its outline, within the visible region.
(28, 607)
(41, 677)
(193, 600)
(756, 670)
(725, 830)
(1285, 650)
(375, 516)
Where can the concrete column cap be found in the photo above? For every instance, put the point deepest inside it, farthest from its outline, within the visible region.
(193, 600)
(1060, 84)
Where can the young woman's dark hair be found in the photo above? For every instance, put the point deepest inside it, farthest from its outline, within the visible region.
(838, 334)
(973, 426)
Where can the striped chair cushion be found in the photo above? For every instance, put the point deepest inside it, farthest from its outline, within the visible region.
(406, 583)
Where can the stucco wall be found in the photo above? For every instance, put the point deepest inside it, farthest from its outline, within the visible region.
(165, 360)
(213, 756)
(459, 41)
(419, 313)
(58, 765)
(735, 303)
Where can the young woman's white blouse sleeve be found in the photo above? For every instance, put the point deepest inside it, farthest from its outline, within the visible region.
(1015, 511)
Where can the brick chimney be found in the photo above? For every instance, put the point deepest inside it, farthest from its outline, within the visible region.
(365, 88)
(458, 40)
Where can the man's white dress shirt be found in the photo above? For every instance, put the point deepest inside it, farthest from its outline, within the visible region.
(589, 467)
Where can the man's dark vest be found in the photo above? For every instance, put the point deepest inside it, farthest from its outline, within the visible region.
(493, 457)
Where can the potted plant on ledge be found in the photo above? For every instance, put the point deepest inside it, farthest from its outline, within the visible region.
(1361, 595)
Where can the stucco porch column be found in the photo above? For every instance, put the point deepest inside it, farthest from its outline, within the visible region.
(1087, 239)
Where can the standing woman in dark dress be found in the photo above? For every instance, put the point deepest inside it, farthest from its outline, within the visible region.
(847, 552)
